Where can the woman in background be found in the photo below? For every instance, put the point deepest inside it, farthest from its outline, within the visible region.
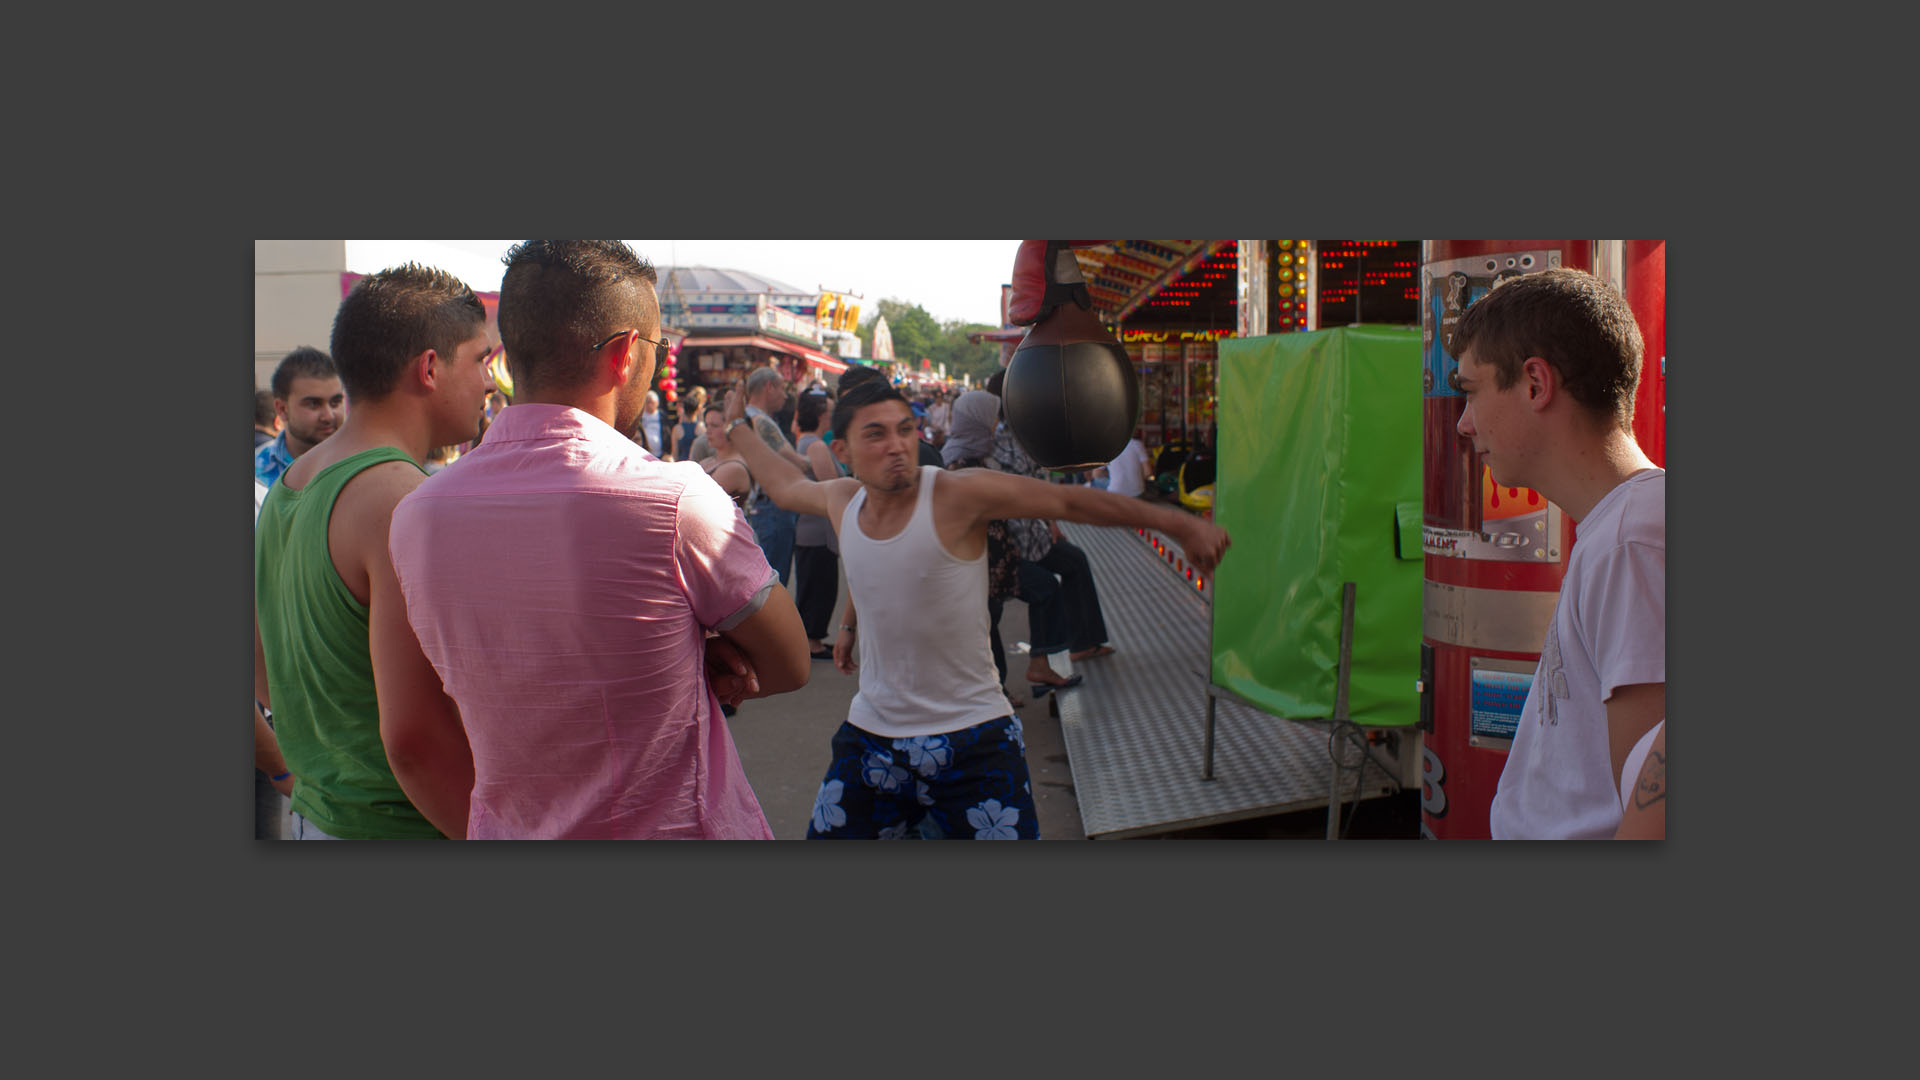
(726, 466)
(816, 551)
(692, 407)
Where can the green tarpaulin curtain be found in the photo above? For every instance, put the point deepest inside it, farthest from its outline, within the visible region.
(1319, 483)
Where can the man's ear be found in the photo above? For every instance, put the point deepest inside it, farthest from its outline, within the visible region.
(621, 361)
(1541, 380)
(425, 369)
(841, 451)
(280, 409)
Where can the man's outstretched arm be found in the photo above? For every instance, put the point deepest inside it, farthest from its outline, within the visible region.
(1000, 495)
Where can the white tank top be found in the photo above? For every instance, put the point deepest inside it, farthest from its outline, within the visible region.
(926, 667)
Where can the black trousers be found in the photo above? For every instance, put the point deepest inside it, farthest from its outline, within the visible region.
(816, 588)
(1086, 627)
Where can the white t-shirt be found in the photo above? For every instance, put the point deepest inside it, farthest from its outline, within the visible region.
(1609, 630)
(1123, 472)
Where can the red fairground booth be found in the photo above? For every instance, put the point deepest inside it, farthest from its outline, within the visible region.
(1495, 556)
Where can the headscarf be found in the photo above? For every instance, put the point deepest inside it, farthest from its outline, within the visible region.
(975, 414)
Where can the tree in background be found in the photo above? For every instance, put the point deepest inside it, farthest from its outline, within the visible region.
(917, 334)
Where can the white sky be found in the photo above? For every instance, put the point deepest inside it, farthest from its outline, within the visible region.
(954, 280)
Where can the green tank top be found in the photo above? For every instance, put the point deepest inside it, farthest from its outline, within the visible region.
(320, 667)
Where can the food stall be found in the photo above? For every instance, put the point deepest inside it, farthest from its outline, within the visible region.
(736, 322)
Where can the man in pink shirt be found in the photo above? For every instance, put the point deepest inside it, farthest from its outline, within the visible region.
(564, 581)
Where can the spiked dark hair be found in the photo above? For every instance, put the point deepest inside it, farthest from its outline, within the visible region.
(559, 297)
(869, 392)
(395, 315)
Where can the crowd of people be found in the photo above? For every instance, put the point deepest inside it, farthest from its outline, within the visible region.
(631, 598)
(636, 573)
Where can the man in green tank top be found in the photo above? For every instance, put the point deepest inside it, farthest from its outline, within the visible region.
(411, 346)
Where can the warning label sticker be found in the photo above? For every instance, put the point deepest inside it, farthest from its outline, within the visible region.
(1498, 697)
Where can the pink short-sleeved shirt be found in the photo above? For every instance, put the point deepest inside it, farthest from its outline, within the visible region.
(561, 579)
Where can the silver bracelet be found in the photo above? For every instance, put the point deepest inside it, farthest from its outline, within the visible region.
(849, 628)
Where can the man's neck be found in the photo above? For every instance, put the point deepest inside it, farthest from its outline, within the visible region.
(372, 425)
(604, 407)
(296, 447)
(887, 504)
(1593, 469)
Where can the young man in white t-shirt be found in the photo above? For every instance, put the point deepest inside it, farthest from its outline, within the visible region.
(1128, 473)
(1549, 363)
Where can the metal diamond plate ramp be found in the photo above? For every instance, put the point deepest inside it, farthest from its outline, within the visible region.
(1135, 729)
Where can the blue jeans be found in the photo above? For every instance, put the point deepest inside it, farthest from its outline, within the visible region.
(773, 531)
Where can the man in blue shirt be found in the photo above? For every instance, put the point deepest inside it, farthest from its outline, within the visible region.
(266, 425)
(307, 397)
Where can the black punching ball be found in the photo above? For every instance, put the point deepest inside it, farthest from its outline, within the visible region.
(1070, 394)
(1071, 404)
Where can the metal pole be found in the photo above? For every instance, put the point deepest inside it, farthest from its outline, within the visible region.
(1207, 772)
(1333, 793)
(1340, 707)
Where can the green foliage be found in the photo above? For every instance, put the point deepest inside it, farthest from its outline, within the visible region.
(916, 334)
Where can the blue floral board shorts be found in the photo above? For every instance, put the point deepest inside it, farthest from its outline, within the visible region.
(970, 784)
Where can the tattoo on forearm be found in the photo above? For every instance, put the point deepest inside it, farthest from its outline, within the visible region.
(1652, 785)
